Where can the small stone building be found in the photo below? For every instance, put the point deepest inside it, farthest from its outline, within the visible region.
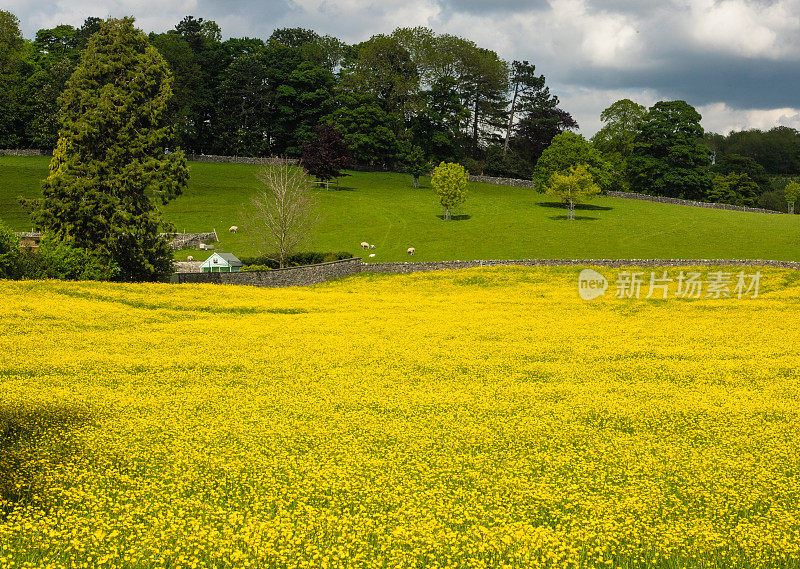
(29, 240)
(221, 263)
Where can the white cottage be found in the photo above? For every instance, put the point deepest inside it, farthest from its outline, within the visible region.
(221, 263)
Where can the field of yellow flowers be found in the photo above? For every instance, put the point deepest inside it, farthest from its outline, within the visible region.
(478, 418)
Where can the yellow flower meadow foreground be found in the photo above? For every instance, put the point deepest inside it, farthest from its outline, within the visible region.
(479, 418)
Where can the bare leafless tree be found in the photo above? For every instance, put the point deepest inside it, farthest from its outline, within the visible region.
(283, 213)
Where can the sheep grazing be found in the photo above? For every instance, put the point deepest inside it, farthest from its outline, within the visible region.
(234, 229)
(364, 245)
(411, 250)
(190, 258)
(372, 246)
(372, 254)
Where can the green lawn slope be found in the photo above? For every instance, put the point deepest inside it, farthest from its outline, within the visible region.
(497, 222)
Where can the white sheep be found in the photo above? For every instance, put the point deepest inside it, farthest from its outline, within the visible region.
(234, 229)
(411, 250)
(203, 246)
(372, 255)
(190, 258)
(372, 246)
(364, 245)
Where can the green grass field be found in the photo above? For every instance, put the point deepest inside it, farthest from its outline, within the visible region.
(497, 222)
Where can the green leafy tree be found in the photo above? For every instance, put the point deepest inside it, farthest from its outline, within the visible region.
(244, 102)
(734, 189)
(449, 181)
(383, 69)
(367, 129)
(792, 193)
(539, 124)
(618, 132)
(669, 157)
(616, 138)
(9, 254)
(573, 186)
(734, 163)
(300, 103)
(437, 127)
(416, 164)
(567, 150)
(207, 59)
(777, 150)
(109, 170)
(13, 63)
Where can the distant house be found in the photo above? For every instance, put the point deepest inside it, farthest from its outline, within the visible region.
(221, 263)
(29, 240)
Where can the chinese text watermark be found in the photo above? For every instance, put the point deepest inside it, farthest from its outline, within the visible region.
(676, 284)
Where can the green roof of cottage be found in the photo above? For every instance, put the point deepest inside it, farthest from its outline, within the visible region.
(231, 259)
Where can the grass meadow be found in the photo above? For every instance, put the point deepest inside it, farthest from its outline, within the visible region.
(497, 222)
(477, 418)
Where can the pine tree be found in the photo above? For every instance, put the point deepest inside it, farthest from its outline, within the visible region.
(111, 169)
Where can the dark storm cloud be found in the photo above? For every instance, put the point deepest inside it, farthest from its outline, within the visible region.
(740, 83)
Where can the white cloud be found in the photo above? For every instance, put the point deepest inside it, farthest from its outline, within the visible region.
(720, 118)
(745, 29)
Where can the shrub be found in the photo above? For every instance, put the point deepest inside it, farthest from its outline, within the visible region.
(10, 258)
(294, 260)
(53, 259)
(773, 200)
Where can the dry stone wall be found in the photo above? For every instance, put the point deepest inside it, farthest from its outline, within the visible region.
(270, 161)
(293, 276)
(21, 152)
(502, 181)
(676, 201)
(445, 265)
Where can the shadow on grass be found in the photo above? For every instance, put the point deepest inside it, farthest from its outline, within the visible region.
(583, 206)
(462, 217)
(576, 218)
(31, 440)
(334, 188)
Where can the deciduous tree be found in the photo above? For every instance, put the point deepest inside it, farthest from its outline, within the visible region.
(792, 193)
(669, 157)
(326, 154)
(568, 150)
(734, 189)
(449, 181)
(282, 214)
(573, 186)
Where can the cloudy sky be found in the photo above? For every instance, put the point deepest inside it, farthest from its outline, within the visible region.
(737, 61)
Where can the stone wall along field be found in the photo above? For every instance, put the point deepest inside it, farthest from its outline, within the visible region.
(292, 276)
(676, 201)
(502, 181)
(269, 161)
(21, 152)
(445, 265)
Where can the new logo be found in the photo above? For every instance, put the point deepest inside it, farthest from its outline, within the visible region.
(591, 284)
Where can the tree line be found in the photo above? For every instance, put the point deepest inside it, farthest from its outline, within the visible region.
(664, 151)
(391, 97)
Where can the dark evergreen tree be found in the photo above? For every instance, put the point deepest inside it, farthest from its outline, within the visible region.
(110, 169)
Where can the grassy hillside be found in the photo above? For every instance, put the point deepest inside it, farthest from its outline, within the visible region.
(497, 221)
